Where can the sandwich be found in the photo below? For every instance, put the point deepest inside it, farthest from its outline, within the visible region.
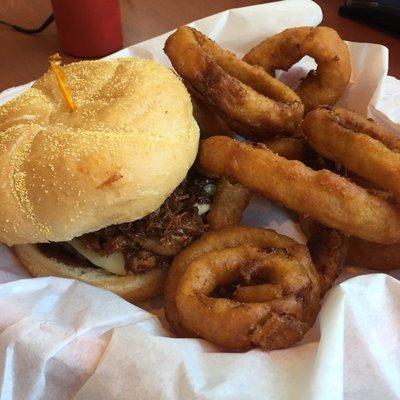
(105, 193)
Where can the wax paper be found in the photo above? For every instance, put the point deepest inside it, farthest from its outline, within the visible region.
(60, 338)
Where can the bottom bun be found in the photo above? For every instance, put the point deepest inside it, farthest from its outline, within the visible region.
(134, 288)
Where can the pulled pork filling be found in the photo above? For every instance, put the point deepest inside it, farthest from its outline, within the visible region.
(153, 240)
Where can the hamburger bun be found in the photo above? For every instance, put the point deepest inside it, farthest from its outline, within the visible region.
(115, 159)
(134, 288)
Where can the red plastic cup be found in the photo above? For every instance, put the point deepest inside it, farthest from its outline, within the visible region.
(88, 28)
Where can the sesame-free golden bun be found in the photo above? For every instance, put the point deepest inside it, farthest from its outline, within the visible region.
(134, 288)
(115, 159)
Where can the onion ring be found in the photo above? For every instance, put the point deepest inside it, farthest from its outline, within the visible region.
(328, 249)
(360, 253)
(321, 87)
(207, 117)
(360, 145)
(258, 293)
(323, 195)
(229, 202)
(229, 238)
(292, 148)
(269, 323)
(375, 256)
(253, 102)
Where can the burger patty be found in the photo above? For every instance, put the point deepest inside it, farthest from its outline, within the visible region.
(153, 240)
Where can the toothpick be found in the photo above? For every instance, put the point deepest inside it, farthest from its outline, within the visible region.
(55, 63)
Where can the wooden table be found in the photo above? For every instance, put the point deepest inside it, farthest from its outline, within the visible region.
(24, 57)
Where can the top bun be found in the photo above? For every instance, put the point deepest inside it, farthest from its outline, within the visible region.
(116, 158)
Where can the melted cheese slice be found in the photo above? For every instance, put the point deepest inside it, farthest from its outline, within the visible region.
(114, 263)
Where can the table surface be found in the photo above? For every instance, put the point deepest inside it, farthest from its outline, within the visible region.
(24, 57)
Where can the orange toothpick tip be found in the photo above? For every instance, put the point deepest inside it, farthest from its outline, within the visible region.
(55, 64)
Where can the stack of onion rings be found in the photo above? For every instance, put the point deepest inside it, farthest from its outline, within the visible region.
(273, 314)
(321, 87)
(242, 287)
(253, 102)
